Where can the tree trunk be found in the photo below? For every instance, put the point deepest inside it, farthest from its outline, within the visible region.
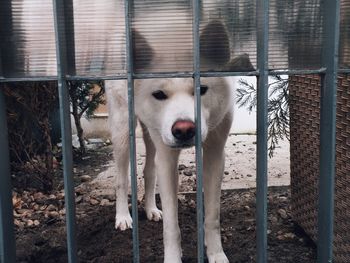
(77, 116)
(80, 133)
(48, 177)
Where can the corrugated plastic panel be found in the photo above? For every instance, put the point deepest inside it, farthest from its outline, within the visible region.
(163, 38)
(239, 20)
(99, 28)
(27, 38)
(344, 45)
(296, 33)
(163, 35)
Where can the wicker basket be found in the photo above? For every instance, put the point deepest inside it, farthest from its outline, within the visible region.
(305, 125)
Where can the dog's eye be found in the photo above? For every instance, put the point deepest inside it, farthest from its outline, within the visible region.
(204, 89)
(159, 95)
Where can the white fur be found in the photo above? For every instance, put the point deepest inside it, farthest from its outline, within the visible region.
(162, 152)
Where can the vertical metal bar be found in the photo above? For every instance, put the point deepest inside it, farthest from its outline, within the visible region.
(262, 7)
(7, 236)
(1, 71)
(131, 109)
(198, 138)
(328, 130)
(61, 56)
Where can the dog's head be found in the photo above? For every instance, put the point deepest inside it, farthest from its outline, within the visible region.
(166, 106)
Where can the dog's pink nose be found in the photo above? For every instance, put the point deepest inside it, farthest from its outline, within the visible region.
(183, 130)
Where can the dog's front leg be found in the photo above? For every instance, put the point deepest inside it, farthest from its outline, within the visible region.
(213, 169)
(120, 138)
(152, 212)
(166, 160)
(213, 164)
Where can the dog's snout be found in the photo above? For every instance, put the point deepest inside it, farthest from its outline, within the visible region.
(184, 130)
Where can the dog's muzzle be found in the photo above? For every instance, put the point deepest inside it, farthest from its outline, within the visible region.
(184, 132)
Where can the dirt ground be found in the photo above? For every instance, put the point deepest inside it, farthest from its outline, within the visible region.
(40, 220)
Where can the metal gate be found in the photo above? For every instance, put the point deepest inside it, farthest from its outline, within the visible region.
(329, 39)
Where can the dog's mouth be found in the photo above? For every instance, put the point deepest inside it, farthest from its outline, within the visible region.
(183, 145)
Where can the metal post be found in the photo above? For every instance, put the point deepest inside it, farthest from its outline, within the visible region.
(328, 131)
(1, 70)
(7, 237)
(132, 144)
(262, 7)
(66, 131)
(198, 138)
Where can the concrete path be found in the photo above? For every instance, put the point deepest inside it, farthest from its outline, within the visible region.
(240, 168)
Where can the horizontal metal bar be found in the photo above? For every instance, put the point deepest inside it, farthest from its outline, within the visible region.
(122, 76)
(28, 79)
(229, 74)
(344, 71)
(292, 72)
(163, 75)
(7, 235)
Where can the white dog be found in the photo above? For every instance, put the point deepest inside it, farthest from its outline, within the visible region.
(165, 109)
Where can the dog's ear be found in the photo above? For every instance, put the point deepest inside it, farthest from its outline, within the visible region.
(142, 51)
(214, 45)
(240, 63)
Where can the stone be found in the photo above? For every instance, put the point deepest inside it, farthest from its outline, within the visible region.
(38, 196)
(282, 213)
(51, 208)
(187, 172)
(106, 202)
(182, 167)
(53, 214)
(94, 201)
(85, 178)
(30, 223)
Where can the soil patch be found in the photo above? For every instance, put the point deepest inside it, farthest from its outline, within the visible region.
(41, 231)
(99, 242)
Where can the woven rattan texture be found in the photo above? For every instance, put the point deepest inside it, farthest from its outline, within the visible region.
(305, 125)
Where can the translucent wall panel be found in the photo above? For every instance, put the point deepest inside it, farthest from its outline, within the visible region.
(239, 19)
(344, 46)
(295, 34)
(163, 33)
(27, 38)
(163, 40)
(99, 37)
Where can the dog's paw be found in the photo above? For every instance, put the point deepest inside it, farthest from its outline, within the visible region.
(218, 258)
(173, 259)
(154, 214)
(123, 222)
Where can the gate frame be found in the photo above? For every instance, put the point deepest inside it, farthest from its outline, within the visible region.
(328, 71)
